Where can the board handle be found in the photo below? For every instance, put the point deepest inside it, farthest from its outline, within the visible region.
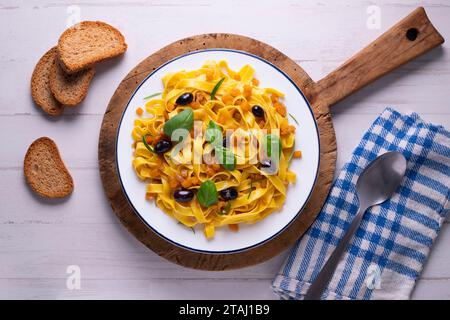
(409, 38)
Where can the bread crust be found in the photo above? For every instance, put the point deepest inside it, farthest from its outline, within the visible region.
(40, 85)
(69, 89)
(69, 64)
(47, 184)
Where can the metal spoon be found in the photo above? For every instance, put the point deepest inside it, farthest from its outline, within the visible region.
(375, 185)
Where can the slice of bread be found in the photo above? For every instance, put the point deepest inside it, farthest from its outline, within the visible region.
(88, 42)
(69, 89)
(40, 85)
(45, 171)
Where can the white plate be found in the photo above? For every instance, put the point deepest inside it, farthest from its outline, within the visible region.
(225, 241)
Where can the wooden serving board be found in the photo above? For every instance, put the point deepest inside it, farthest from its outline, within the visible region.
(408, 39)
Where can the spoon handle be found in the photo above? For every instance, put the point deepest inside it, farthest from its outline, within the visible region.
(321, 281)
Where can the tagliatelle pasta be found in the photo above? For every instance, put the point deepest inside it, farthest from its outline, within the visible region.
(248, 117)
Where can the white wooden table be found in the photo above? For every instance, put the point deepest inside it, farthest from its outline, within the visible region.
(40, 239)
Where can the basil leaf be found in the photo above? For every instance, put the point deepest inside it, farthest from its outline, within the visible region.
(183, 120)
(229, 160)
(207, 193)
(212, 132)
(144, 140)
(293, 118)
(226, 157)
(216, 87)
(225, 210)
(292, 153)
(267, 143)
(251, 189)
(152, 95)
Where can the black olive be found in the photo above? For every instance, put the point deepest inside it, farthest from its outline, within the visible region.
(266, 163)
(258, 111)
(224, 142)
(183, 195)
(163, 146)
(185, 99)
(229, 194)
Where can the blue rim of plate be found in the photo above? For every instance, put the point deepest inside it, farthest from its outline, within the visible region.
(226, 251)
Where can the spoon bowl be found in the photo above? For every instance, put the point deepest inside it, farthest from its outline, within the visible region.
(380, 179)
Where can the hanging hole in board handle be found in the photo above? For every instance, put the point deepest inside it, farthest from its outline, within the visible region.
(406, 40)
(412, 34)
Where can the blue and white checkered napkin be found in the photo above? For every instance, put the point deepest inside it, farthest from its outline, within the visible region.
(388, 251)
